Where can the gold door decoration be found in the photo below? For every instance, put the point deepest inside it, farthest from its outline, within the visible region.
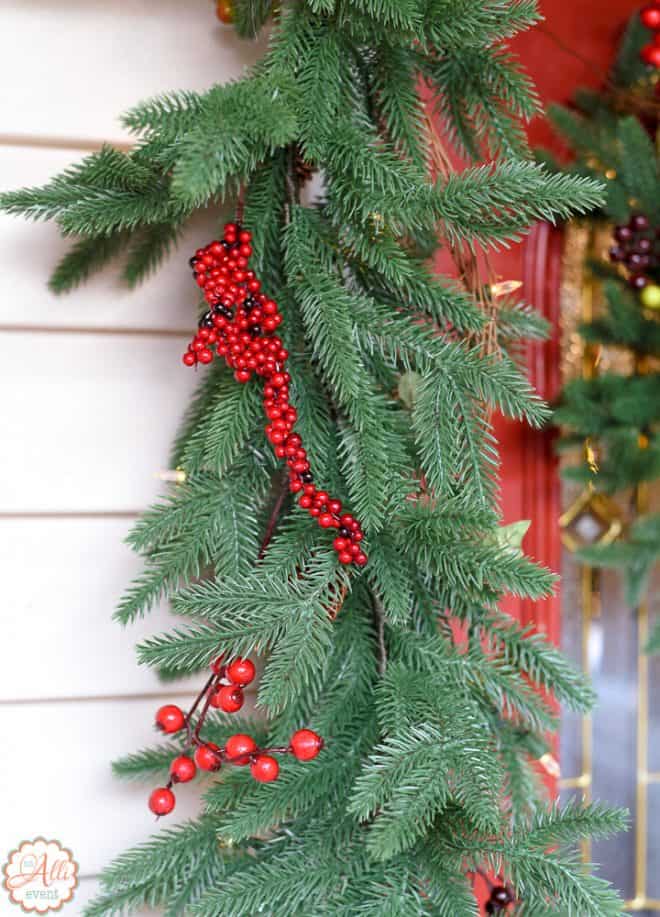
(589, 518)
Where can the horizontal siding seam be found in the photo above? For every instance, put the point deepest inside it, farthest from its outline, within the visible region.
(100, 330)
(71, 514)
(75, 144)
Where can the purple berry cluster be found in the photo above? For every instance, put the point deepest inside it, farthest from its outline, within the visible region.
(637, 248)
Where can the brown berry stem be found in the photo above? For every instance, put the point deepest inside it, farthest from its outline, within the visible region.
(205, 709)
(206, 689)
(273, 519)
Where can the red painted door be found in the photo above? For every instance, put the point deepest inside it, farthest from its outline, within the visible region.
(573, 46)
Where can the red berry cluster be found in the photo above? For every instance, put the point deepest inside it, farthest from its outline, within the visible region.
(637, 248)
(223, 690)
(650, 16)
(500, 899)
(240, 325)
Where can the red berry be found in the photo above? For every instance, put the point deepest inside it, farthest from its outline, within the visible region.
(650, 17)
(241, 671)
(189, 359)
(361, 559)
(265, 769)
(239, 748)
(205, 355)
(182, 769)
(345, 557)
(326, 520)
(230, 229)
(340, 544)
(306, 744)
(170, 718)
(207, 757)
(161, 801)
(650, 54)
(228, 698)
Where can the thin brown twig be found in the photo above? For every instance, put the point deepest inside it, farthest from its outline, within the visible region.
(273, 520)
(379, 619)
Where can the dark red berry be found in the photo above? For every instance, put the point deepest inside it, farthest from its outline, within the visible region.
(623, 233)
(306, 744)
(616, 253)
(238, 749)
(638, 221)
(501, 896)
(170, 718)
(182, 769)
(207, 757)
(162, 801)
(265, 768)
(241, 671)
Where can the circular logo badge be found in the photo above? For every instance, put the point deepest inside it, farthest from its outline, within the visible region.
(40, 875)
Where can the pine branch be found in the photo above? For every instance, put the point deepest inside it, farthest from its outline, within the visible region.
(83, 259)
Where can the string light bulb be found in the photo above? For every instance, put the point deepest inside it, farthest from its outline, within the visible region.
(504, 288)
(172, 475)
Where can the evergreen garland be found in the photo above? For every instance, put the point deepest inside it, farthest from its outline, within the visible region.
(428, 698)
